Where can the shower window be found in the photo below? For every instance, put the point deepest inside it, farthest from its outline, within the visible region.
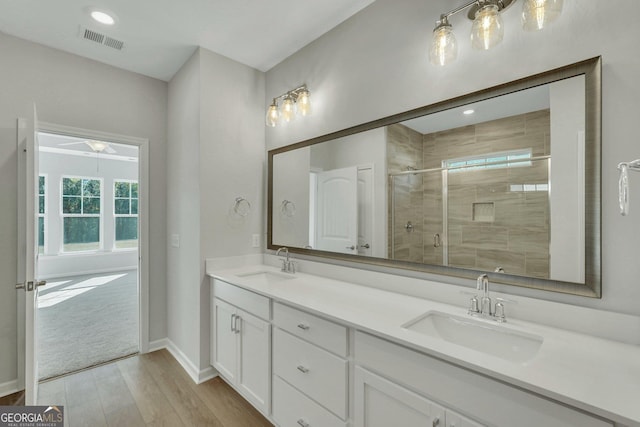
(81, 213)
(505, 159)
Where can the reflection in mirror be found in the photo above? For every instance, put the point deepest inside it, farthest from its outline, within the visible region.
(465, 188)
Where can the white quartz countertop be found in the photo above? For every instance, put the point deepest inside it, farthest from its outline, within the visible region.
(593, 374)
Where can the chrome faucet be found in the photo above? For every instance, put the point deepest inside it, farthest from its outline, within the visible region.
(288, 266)
(483, 307)
(482, 284)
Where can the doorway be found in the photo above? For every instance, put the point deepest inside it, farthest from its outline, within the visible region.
(91, 238)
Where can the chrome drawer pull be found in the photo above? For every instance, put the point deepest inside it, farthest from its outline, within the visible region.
(436, 422)
(303, 369)
(233, 322)
(303, 326)
(303, 423)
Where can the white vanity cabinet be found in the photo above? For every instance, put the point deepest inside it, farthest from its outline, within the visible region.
(241, 344)
(310, 383)
(412, 379)
(382, 403)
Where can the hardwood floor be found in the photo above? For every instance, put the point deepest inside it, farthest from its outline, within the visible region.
(147, 390)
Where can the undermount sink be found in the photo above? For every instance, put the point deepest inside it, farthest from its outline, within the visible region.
(479, 335)
(266, 277)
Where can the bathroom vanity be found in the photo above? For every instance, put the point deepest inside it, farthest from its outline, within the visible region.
(311, 351)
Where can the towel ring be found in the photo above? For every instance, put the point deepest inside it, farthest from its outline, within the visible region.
(288, 208)
(242, 206)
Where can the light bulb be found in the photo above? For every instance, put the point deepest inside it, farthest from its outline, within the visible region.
(536, 14)
(304, 103)
(288, 109)
(103, 17)
(272, 114)
(488, 29)
(97, 146)
(444, 48)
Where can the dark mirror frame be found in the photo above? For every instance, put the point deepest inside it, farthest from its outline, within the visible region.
(592, 70)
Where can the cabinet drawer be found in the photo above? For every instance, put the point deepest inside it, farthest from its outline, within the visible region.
(293, 409)
(326, 334)
(246, 300)
(316, 372)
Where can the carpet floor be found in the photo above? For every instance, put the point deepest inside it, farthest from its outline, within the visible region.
(86, 320)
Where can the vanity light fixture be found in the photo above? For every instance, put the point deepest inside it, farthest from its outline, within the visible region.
(487, 29)
(294, 102)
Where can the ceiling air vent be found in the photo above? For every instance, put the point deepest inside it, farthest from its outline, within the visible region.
(102, 39)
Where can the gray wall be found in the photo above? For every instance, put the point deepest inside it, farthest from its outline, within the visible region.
(376, 64)
(215, 154)
(74, 91)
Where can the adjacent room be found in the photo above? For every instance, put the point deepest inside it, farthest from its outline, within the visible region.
(88, 252)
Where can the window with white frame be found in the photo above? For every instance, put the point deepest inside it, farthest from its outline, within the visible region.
(125, 211)
(81, 214)
(42, 185)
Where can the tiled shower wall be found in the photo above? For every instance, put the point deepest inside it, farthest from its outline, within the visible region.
(510, 229)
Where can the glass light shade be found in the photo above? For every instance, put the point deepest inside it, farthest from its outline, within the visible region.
(97, 146)
(487, 30)
(288, 110)
(304, 103)
(272, 115)
(536, 14)
(444, 47)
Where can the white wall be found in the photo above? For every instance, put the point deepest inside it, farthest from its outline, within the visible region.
(183, 208)
(54, 263)
(376, 64)
(291, 182)
(216, 153)
(566, 249)
(78, 92)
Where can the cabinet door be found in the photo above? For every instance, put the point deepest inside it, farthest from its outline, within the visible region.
(225, 347)
(254, 372)
(382, 403)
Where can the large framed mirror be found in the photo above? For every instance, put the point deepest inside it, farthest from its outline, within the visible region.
(504, 181)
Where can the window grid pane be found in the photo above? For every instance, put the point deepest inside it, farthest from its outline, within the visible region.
(81, 208)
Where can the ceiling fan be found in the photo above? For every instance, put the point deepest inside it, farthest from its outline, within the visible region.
(96, 146)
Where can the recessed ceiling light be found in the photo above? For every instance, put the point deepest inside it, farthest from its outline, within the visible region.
(467, 112)
(102, 17)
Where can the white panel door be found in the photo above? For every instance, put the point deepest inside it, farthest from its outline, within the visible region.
(28, 250)
(255, 362)
(382, 403)
(225, 348)
(365, 210)
(337, 211)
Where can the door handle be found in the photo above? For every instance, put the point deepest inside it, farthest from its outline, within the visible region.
(303, 369)
(232, 324)
(366, 246)
(352, 247)
(235, 324)
(436, 240)
(29, 286)
(303, 423)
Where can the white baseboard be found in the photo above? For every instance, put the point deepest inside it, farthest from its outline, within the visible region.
(184, 361)
(198, 376)
(206, 374)
(158, 345)
(8, 388)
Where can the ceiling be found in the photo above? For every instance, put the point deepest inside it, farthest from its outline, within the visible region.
(160, 35)
(513, 104)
